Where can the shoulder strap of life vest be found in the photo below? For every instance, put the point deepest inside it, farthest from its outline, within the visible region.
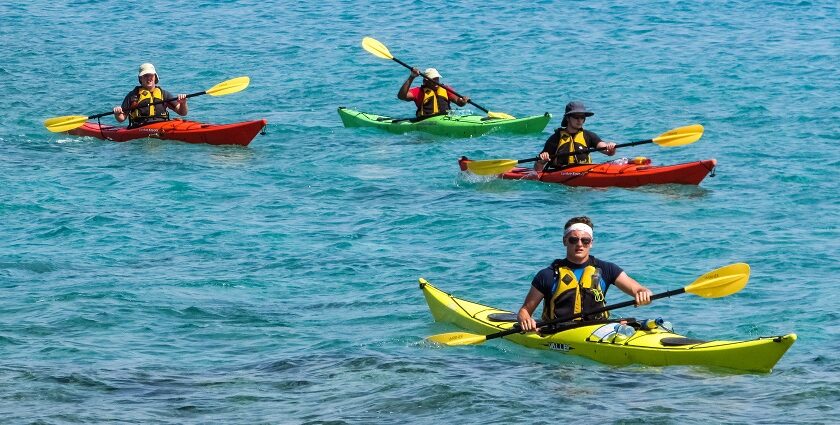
(144, 107)
(570, 293)
(567, 143)
(435, 101)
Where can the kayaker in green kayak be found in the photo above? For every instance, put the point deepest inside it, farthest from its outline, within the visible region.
(571, 137)
(577, 283)
(432, 97)
(138, 101)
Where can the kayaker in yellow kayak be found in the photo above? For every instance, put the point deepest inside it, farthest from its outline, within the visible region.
(138, 101)
(431, 98)
(578, 282)
(571, 137)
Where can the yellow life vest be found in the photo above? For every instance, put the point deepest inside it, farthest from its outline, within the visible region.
(434, 101)
(566, 144)
(146, 111)
(572, 296)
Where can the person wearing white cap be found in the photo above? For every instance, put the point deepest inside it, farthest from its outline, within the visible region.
(571, 137)
(577, 283)
(432, 97)
(148, 103)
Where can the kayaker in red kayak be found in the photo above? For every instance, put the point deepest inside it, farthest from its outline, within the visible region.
(571, 137)
(578, 282)
(431, 98)
(138, 102)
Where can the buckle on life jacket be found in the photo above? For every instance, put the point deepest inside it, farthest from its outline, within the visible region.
(599, 294)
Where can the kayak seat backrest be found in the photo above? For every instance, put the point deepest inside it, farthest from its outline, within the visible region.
(502, 317)
(676, 342)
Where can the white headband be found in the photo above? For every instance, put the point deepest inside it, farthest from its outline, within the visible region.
(580, 227)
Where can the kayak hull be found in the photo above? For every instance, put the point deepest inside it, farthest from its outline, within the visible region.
(446, 125)
(241, 133)
(646, 347)
(611, 174)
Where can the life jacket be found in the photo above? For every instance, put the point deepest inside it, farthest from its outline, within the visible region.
(435, 101)
(146, 112)
(572, 296)
(568, 143)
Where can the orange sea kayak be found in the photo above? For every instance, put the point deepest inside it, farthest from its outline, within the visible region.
(616, 174)
(182, 130)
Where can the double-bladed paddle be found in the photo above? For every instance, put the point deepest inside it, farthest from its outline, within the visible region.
(379, 50)
(717, 283)
(675, 137)
(69, 122)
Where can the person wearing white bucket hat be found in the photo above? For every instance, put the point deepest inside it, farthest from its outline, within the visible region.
(577, 283)
(571, 137)
(146, 104)
(432, 97)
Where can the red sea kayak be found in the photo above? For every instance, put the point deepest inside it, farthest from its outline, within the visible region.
(240, 133)
(611, 174)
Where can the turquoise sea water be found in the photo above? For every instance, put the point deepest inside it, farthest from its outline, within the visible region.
(160, 282)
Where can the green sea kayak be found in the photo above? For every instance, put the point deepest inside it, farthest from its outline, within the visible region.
(446, 125)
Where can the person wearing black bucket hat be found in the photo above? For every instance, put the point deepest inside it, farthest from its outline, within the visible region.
(571, 137)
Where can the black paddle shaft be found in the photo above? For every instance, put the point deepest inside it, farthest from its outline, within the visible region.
(440, 85)
(105, 114)
(516, 329)
(589, 150)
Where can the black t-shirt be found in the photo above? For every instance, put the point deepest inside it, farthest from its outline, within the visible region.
(546, 279)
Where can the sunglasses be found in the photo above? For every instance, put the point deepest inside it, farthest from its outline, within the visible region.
(574, 240)
(578, 117)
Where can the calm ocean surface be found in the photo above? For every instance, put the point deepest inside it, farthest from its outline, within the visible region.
(161, 282)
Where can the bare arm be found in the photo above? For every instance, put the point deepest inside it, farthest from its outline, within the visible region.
(633, 288)
(460, 101)
(403, 94)
(119, 114)
(532, 300)
(608, 148)
(179, 106)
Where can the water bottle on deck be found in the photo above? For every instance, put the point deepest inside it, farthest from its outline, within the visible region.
(664, 324)
(623, 331)
(648, 324)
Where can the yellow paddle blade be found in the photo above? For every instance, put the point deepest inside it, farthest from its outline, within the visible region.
(491, 167)
(228, 87)
(680, 136)
(500, 115)
(376, 48)
(457, 338)
(66, 123)
(724, 281)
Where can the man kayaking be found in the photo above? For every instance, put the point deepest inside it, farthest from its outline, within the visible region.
(431, 98)
(577, 283)
(571, 137)
(138, 103)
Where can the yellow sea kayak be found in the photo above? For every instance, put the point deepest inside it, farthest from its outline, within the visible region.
(654, 347)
